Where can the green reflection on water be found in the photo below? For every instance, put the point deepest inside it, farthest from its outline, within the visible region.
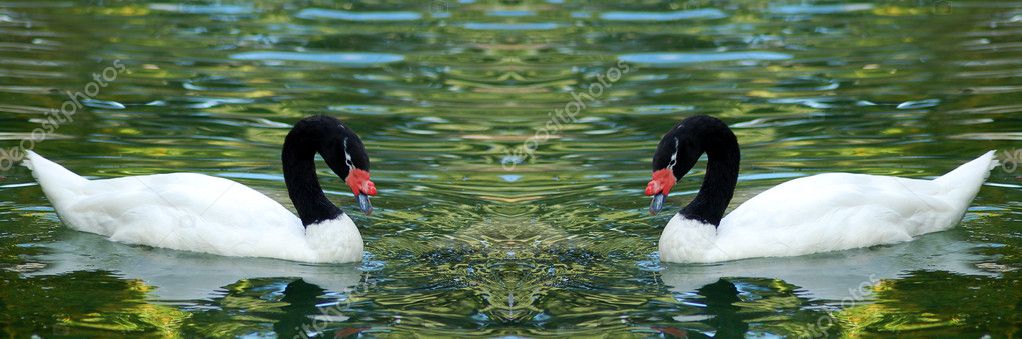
(442, 92)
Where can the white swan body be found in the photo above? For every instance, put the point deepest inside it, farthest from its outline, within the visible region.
(200, 213)
(192, 212)
(829, 212)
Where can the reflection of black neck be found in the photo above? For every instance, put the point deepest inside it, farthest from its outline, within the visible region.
(301, 299)
(723, 157)
(298, 158)
(720, 299)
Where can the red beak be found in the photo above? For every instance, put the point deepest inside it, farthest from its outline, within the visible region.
(358, 181)
(659, 187)
(663, 181)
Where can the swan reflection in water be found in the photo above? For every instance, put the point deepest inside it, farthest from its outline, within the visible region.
(829, 277)
(727, 294)
(182, 275)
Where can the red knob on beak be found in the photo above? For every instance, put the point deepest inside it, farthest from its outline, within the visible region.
(659, 187)
(358, 181)
(663, 181)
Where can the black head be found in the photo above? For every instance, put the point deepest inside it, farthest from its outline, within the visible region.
(679, 150)
(343, 152)
(340, 147)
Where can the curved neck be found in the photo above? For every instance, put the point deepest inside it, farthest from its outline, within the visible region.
(723, 158)
(298, 158)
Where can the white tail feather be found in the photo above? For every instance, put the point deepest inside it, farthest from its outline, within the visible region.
(976, 170)
(56, 181)
(963, 183)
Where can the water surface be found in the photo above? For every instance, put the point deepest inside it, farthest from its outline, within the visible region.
(472, 235)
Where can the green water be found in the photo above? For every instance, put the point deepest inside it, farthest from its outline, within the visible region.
(474, 237)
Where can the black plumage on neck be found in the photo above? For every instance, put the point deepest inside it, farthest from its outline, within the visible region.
(693, 137)
(336, 143)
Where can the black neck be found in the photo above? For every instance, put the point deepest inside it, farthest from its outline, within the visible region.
(298, 157)
(723, 157)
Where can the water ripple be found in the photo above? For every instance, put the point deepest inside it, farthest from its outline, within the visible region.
(319, 13)
(352, 59)
(666, 59)
(704, 13)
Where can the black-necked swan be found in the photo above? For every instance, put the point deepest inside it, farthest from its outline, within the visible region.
(819, 213)
(201, 213)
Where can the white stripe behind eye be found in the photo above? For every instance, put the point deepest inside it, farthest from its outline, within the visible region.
(347, 157)
(674, 157)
